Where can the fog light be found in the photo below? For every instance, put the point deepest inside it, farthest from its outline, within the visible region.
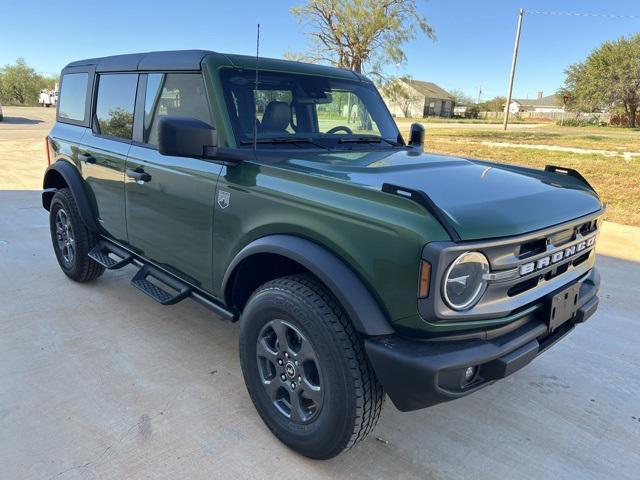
(469, 373)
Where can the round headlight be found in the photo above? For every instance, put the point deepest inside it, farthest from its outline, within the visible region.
(464, 281)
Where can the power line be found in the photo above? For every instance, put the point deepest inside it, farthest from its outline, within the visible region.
(574, 14)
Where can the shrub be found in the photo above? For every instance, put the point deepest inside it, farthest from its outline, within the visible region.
(593, 121)
(622, 119)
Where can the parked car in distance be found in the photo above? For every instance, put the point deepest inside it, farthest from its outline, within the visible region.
(45, 98)
(283, 196)
(1, 113)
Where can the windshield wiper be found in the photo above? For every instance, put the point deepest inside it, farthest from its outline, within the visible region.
(279, 140)
(369, 139)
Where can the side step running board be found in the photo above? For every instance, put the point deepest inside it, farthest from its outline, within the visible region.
(160, 285)
(104, 252)
(176, 292)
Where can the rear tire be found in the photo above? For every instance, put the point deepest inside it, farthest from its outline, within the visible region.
(71, 239)
(330, 399)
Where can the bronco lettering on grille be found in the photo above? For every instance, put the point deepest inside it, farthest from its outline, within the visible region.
(556, 256)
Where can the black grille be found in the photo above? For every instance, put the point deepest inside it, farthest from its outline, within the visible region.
(581, 258)
(523, 286)
(532, 248)
(588, 227)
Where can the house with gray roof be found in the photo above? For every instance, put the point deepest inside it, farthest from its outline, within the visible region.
(416, 98)
(541, 104)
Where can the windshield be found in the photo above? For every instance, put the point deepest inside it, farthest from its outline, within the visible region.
(305, 110)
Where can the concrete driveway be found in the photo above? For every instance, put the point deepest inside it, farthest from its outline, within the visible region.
(99, 382)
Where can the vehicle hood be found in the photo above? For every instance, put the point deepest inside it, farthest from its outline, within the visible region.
(480, 199)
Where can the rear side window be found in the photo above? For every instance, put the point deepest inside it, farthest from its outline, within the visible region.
(115, 104)
(73, 96)
(176, 94)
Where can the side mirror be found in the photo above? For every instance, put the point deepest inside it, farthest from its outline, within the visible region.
(186, 137)
(416, 135)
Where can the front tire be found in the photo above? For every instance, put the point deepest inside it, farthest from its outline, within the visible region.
(305, 368)
(71, 239)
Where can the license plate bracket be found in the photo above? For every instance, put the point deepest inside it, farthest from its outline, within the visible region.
(562, 306)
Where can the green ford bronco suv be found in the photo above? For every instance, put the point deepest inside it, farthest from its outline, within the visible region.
(282, 195)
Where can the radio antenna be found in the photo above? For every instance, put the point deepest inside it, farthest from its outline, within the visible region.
(255, 99)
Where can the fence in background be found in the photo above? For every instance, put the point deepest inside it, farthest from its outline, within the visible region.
(554, 116)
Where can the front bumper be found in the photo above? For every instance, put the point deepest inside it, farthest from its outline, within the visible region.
(417, 374)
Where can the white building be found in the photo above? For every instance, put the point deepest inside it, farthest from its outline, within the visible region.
(548, 104)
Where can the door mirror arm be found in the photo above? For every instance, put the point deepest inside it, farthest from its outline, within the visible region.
(229, 156)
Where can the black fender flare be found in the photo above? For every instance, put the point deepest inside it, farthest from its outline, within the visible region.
(364, 311)
(74, 181)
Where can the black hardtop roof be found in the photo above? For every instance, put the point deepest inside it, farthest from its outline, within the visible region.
(185, 60)
(169, 60)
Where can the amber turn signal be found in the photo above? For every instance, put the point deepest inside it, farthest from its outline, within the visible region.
(425, 277)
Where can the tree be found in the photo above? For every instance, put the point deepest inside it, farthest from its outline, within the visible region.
(396, 91)
(609, 78)
(460, 98)
(357, 33)
(496, 104)
(19, 83)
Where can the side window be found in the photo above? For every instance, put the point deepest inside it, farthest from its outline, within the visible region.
(73, 96)
(175, 94)
(115, 103)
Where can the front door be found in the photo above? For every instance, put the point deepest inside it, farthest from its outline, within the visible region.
(170, 209)
(104, 150)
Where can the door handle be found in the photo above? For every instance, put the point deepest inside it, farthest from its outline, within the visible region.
(139, 175)
(88, 158)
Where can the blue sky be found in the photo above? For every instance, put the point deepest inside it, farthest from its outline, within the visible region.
(473, 47)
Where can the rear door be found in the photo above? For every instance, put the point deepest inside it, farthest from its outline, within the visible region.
(104, 149)
(170, 215)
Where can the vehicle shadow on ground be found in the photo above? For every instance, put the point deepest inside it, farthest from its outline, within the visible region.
(20, 121)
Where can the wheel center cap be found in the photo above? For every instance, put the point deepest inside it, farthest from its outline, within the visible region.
(290, 369)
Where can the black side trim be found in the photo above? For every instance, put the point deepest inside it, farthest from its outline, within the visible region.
(47, 196)
(423, 199)
(362, 308)
(75, 182)
(569, 172)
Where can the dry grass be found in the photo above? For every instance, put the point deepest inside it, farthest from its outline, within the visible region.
(617, 180)
(617, 140)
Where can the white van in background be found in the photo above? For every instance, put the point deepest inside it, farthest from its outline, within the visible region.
(45, 98)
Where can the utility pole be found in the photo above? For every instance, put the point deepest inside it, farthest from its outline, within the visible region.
(513, 68)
